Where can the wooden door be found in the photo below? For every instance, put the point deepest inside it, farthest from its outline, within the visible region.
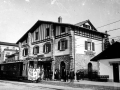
(116, 72)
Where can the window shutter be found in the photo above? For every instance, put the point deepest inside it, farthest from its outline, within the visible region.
(93, 46)
(37, 49)
(44, 48)
(66, 42)
(27, 51)
(58, 45)
(49, 48)
(33, 49)
(86, 48)
(23, 52)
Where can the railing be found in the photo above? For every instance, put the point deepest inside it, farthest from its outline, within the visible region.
(84, 74)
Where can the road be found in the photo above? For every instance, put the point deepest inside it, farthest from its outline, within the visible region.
(20, 86)
(13, 85)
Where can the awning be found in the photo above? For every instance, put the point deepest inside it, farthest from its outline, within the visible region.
(114, 62)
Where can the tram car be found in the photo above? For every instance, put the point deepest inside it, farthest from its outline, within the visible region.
(20, 70)
(11, 70)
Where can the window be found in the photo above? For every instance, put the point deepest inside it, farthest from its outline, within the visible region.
(35, 50)
(47, 48)
(86, 26)
(89, 46)
(62, 29)
(62, 44)
(25, 51)
(36, 35)
(8, 53)
(31, 64)
(24, 67)
(2, 67)
(47, 32)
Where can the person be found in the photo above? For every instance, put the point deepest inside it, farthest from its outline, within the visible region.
(77, 76)
(59, 75)
(39, 78)
(72, 75)
(67, 75)
(64, 75)
(42, 74)
(45, 74)
(56, 74)
(49, 74)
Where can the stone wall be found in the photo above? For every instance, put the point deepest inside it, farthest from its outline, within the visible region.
(59, 59)
(82, 60)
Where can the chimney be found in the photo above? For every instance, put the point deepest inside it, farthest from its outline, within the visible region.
(59, 19)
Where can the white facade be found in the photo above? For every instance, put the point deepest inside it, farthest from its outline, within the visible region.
(81, 59)
(58, 52)
(106, 69)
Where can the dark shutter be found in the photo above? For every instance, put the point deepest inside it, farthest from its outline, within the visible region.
(33, 49)
(49, 48)
(37, 49)
(58, 45)
(44, 48)
(23, 52)
(93, 46)
(26, 51)
(54, 30)
(86, 48)
(66, 44)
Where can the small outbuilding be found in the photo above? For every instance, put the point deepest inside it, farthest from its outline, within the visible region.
(109, 62)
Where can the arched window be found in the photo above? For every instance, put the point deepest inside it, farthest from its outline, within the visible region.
(47, 47)
(35, 50)
(25, 51)
(62, 44)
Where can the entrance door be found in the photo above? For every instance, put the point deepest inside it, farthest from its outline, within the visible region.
(116, 72)
(90, 70)
(62, 67)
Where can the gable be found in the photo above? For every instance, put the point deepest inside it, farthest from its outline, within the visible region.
(86, 24)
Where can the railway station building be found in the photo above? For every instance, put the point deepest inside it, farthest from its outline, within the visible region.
(58, 46)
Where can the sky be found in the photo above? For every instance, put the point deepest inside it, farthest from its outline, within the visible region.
(18, 16)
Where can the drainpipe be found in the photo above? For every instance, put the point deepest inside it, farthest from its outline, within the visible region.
(72, 52)
(53, 57)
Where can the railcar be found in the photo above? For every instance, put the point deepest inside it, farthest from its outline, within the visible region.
(11, 70)
(20, 70)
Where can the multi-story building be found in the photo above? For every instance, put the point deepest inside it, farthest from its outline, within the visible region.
(7, 49)
(60, 45)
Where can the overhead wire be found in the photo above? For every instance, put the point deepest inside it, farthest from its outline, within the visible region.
(109, 24)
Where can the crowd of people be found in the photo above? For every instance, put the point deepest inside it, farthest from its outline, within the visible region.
(65, 75)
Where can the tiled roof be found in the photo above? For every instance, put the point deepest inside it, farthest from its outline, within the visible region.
(35, 26)
(83, 22)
